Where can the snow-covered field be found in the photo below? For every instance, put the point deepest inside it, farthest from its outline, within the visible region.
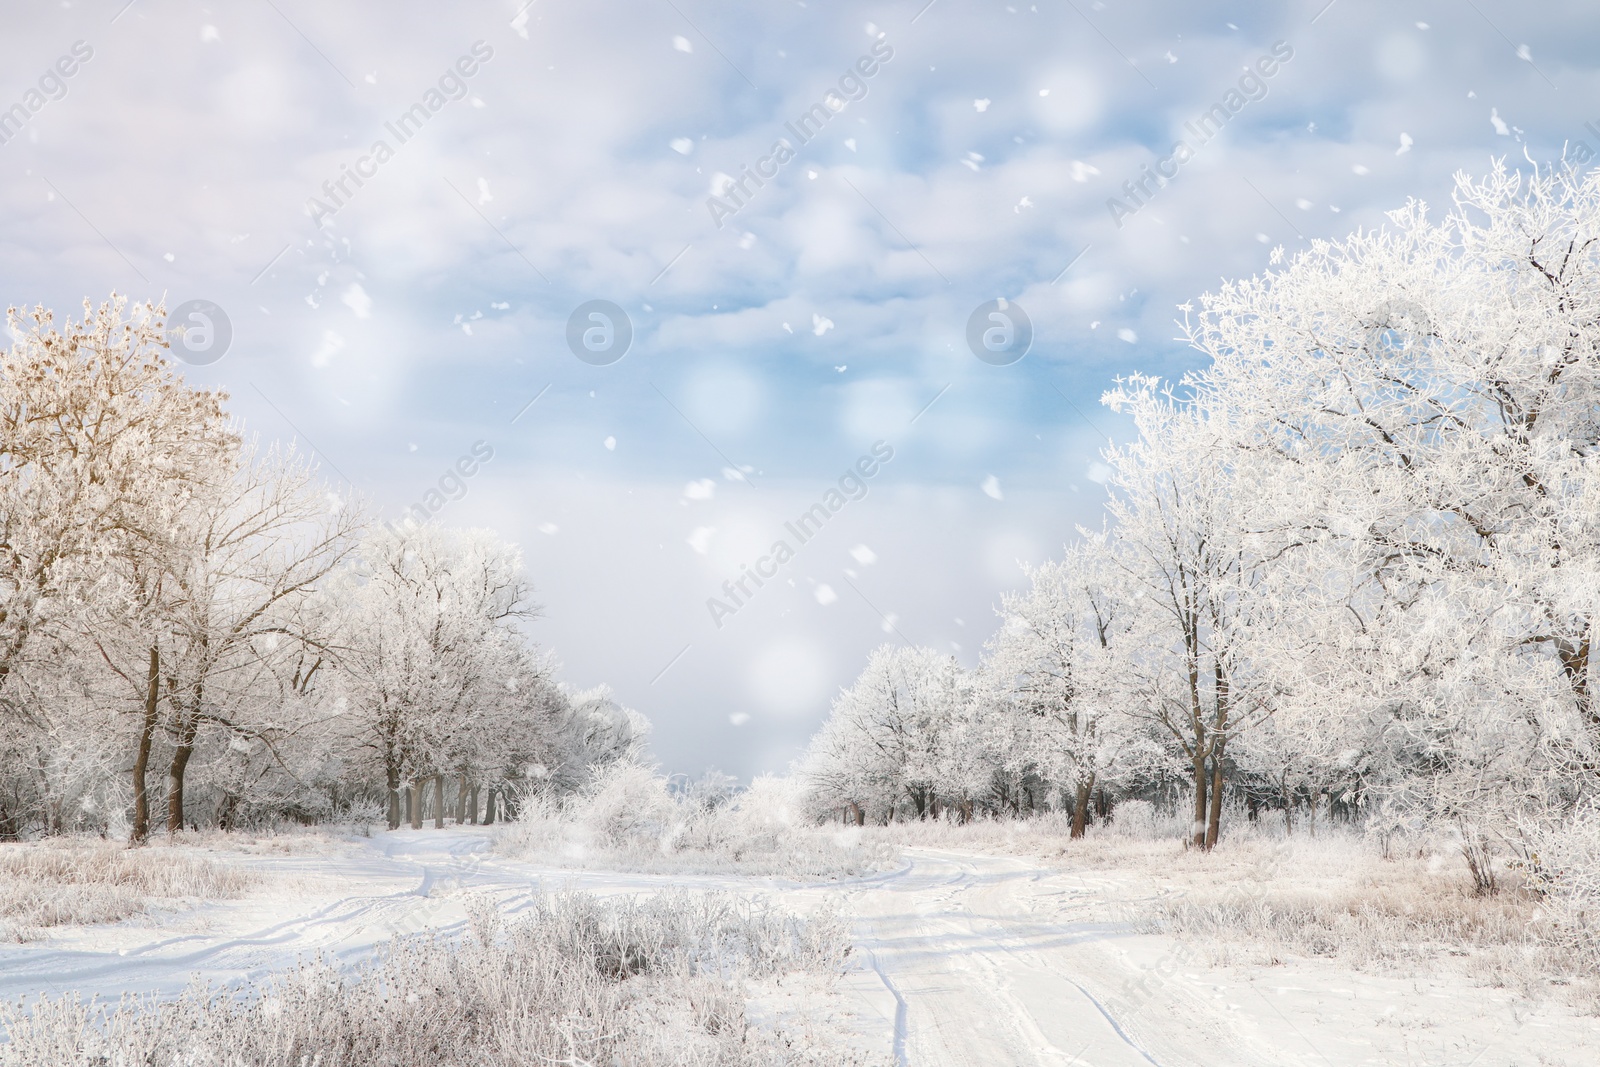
(962, 958)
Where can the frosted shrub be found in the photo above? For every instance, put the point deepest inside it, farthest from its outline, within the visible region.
(580, 980)
(627, 818)
(1565, 866)
(1134, 818)
(627, 804)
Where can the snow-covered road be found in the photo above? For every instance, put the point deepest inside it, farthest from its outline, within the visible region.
(997, 960)
(965, 960)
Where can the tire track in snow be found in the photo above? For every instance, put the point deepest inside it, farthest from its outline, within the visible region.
(900, 1011)
(997, 960)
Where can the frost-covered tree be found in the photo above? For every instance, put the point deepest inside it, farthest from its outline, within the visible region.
(1429, 395)
(1052, 664)
(1358, 552)
(99, 438)
(102, 445)
(1198, 583)
(427, 640)
(899, 736)
(258, 547)
(172, 599)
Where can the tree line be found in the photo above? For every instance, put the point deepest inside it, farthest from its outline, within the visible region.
(1353, 560)
(196, 630)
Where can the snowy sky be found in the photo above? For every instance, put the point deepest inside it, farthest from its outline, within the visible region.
(397, 323)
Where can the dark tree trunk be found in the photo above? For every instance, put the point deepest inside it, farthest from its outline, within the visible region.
(1198, 827)
(1214, 822)
(1219, 740)
(175, 773)
(1080, 807)
(141, 762)
(488, 814)
(461, 798)
(438, 802)
(416, 804)
(393, 783)
(472, 804)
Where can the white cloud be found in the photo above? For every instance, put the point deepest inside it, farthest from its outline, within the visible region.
(332, 343)
(356, 299)
(991, 487)
(700, 539)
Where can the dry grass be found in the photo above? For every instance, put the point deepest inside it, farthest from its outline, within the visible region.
(657, 981)
(1331, 896)
(84, 881)
(1261, 902)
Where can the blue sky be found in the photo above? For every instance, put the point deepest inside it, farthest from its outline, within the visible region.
(769, 353)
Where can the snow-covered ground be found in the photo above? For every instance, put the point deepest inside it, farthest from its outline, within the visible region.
(964, 959)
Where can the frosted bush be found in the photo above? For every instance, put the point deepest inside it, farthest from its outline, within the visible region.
(1134, 818)
(661, 981)
(627, 804)
(628, 818)
(1565, 867)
